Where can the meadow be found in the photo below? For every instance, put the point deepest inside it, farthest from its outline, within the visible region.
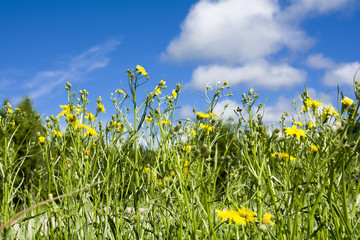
(154, 177)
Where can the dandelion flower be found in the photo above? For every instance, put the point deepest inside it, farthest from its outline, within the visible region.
(249, 216)
(314, 149)
(231, 216)
(141, 70)
(295, 131)
(312, 104)
(347, 102)
(283, 156)
(42, 140)
(10, 111)
(298, 123)
(267, 219)
(57, 133)
(174, 94)
(206, 127)
(100, 107)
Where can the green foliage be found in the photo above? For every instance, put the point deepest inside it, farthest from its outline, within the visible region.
(151, 178)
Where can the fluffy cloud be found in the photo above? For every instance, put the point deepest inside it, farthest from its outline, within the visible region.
(318, 61)
(335, 73)
(301, 8)
(259, 73)
(342, 74)
(233, 31)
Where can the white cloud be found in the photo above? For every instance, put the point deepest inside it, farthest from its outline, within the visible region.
(260, 73)
(186, 111)
(341, 74)
(233, 31)
(318, 61)
(44, 82)
(301, 8)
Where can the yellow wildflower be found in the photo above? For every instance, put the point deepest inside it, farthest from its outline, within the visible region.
(160, 182)
(206, 127)
(91, 132)
(194, 132)
(298, 123)
(294, 131)
(13, 123)
(206, 115)
(119, 91)
(149, 119)
(141, 70)
(347, 102)
(174, 94)
(165, 122)
(147, 169)
(310, 124)
(89, 116)
(10, 111)
(17, 109)
(186, 148)
(231, 216)
(314, 149)
(100, 107)
(248, 215)
(231, 174)
(312, 104)
(226, 82)
(162, 83)
(283, 156)
(42, 140)
(267, 219)
(157, 91)
(57, 133)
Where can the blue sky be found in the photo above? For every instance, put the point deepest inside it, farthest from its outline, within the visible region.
(275, 47)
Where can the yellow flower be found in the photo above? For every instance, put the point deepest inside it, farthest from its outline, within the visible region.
(283, 156)
(42, 139)
(91, 132)
(160, 182)
(162, 83)
(100, 107)
(157, 91)
(267, 219)
(310, 124)
(174, 94)
(13, 123)
(231, 216)
(231, 174)
(206, 127)
(17, 109)
(346, 102)
(294, 131)
(89, 116)
(147, 169)
(226, 82)
(206, 115)
(186, 148)
(10, 111)
(141, 70)
(149, 119)
(57, 133)
(248, 215)
(328, 111)
(119, 91)
(298, 123)
(312, 104)
(314, 149)
(165, 122)
(194, 132)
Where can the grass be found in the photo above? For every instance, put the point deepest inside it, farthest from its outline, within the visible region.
(156, 178)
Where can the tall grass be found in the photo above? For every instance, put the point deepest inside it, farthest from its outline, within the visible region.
(156, 178)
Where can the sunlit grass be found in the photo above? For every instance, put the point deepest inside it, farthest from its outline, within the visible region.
(157, 178)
